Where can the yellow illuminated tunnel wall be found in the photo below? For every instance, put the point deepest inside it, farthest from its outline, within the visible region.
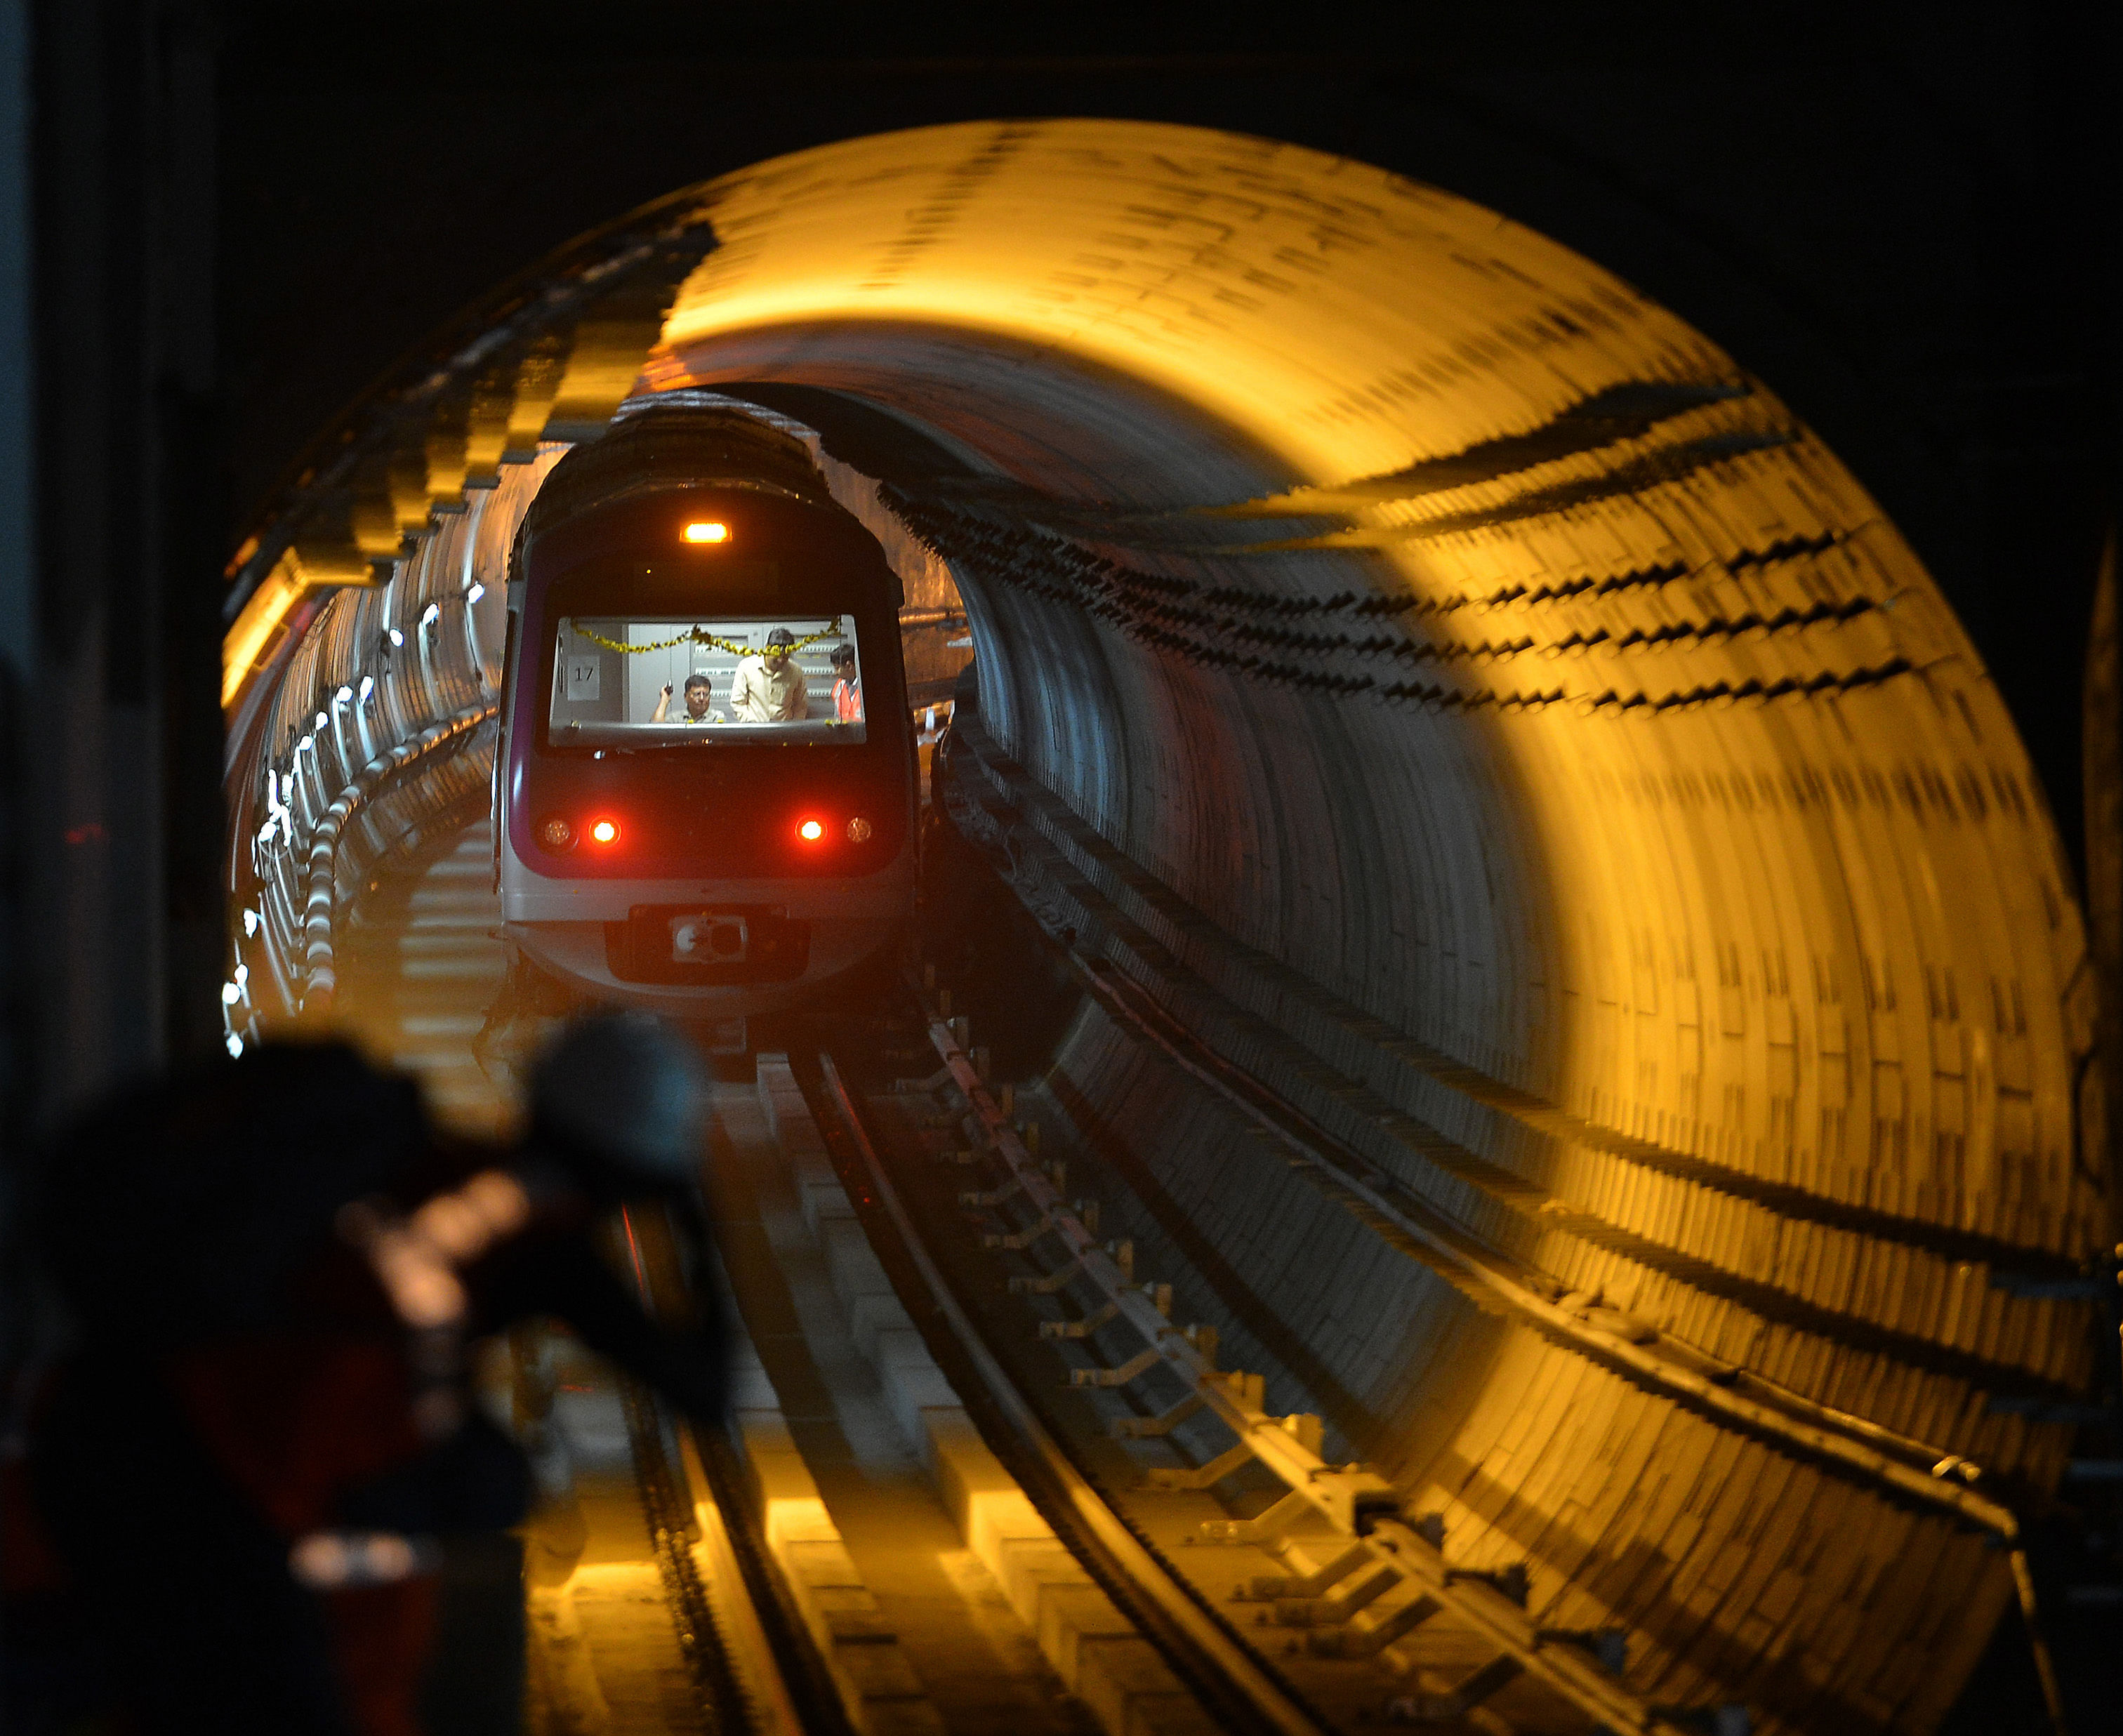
(1539, 690)
(1825, 932)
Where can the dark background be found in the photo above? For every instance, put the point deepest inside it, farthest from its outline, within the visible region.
(229, 218)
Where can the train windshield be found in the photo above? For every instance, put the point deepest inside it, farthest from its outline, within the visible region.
(625, 682)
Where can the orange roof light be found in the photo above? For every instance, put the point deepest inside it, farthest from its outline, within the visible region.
(707, 532)
(812, 831)
(604, 832)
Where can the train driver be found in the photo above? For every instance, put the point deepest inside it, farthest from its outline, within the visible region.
(698, 693)
(847, 685)
(768, 687)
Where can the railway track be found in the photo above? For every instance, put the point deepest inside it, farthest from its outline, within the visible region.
(1076, 1490)
(849, 1555)
(1384, 1129)
(941, 1584)
(1293, 1592)
(985, 1470)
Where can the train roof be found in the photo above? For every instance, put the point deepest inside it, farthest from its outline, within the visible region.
(671, 442)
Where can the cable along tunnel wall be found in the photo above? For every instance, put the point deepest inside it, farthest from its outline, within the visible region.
(1406, 605)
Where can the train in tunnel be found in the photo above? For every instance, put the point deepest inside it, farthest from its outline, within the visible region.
(705, 788)
(1579, 799)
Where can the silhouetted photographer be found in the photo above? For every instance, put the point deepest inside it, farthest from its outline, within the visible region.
(274, 1272)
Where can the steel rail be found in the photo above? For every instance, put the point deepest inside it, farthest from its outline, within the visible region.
(752, 1647)
(1207, 1640)
(1355, 1499)
(807, 1682)
(728, 1709)
(800, 1685)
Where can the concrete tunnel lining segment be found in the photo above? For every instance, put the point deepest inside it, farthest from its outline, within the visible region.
(1400, 601)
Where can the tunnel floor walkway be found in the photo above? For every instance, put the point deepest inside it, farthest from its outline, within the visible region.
(423, 963)
(921, 1635)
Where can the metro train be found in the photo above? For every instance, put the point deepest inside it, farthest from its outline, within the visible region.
(705, 785)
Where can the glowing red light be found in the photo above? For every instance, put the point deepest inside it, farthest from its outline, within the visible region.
(812, 831)
(604, 832)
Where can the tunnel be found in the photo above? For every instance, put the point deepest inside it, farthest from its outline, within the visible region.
(1467, 701)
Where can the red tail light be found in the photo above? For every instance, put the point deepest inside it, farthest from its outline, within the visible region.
(604, 832)
(811, 830)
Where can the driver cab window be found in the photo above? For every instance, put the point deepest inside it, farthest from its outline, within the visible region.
(644, 683)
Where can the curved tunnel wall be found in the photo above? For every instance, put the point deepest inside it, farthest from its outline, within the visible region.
(363, 671)
(1544, 697)
(1456, 664)
(1666, 734)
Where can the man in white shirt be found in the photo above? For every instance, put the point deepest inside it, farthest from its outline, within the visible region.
(768, 687)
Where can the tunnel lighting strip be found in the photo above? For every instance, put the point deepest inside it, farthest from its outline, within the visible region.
(1355, 1499)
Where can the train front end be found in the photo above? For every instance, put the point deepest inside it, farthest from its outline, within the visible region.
(705, 791)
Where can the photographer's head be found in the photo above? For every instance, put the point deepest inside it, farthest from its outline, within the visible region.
(621, 1100)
